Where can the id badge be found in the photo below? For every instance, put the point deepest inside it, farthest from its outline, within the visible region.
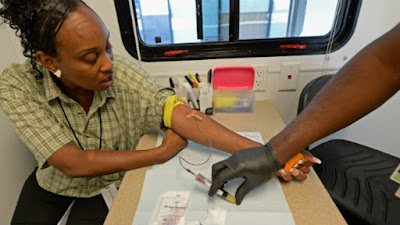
(396, 175)
(396, 178)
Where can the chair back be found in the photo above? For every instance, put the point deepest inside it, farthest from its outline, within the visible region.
(311, 90)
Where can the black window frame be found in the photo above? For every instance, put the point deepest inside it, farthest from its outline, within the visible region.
(237, 48)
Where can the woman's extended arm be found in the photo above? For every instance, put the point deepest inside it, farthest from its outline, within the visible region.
(220, 137)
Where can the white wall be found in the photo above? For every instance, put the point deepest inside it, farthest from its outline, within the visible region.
(379, 129)
(16, 162)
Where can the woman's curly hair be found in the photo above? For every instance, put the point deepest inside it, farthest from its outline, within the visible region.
(36, 23)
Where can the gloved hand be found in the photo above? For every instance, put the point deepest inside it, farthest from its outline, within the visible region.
(255, 165)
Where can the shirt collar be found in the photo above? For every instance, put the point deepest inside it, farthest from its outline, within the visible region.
(51, 89)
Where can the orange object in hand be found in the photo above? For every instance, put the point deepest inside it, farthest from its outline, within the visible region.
(289, 164)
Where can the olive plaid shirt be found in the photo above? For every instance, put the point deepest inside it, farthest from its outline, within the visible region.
(129, 108)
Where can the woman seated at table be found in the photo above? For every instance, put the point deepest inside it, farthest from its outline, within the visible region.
(81, 110)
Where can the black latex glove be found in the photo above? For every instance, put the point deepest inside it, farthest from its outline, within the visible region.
(255, 165)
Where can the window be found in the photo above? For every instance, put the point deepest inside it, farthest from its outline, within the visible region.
(234, 28)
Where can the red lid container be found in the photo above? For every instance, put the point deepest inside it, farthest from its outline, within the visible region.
(233, 78)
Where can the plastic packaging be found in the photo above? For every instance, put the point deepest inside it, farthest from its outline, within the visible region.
(233, 89)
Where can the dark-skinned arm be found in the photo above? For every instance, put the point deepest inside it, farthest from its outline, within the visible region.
(74, 162)
(220, 137)
(77, 163)
(361, 86)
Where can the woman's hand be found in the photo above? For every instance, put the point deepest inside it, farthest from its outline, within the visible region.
(172, 143)
(301, 169)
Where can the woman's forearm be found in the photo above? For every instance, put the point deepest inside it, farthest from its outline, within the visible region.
(89, 163)
(220, 137)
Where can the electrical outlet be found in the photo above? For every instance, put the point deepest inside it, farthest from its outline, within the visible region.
(260, 77)
(288, 78)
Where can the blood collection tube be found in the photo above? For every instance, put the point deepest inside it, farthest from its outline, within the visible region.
(221, 192)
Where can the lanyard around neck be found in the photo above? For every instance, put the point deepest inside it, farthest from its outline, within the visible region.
(73, 132)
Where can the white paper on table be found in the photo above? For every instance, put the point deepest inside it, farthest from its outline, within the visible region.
(264, 205)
